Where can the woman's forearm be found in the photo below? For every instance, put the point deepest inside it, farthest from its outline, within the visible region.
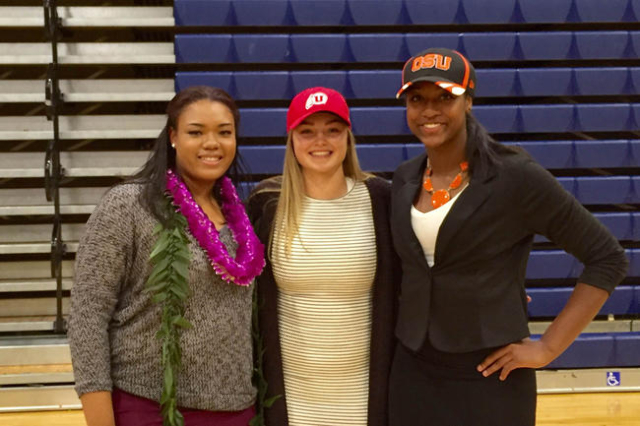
(581, 308)
(98, 409)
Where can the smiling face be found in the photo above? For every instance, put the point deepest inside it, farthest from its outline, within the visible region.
(435, 116)
(320, 143)
(205, 142)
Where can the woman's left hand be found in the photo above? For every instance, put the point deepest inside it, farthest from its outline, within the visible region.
(524, 354)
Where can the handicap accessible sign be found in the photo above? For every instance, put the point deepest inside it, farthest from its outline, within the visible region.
(613, 378)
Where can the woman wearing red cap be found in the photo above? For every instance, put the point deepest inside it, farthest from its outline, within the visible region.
(326, 299)
(464, 214)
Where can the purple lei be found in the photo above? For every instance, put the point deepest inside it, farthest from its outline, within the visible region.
(249, 259)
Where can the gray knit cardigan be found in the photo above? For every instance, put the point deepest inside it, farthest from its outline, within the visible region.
(113, 321)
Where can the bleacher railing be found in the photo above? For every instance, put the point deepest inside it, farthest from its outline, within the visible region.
(52, 168)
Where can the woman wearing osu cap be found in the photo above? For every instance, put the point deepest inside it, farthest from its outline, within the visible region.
(464, 214)
(326, 298)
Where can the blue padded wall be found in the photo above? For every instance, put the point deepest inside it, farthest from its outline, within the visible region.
(558, 78)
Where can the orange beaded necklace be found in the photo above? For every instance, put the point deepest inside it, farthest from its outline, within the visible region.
(441, 196)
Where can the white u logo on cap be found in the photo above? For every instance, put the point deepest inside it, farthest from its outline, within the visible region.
(318, 98)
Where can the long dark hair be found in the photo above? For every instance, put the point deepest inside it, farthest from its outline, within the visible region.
(163, 157)
(482, 150)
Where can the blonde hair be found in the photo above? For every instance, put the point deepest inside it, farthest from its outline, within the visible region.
(289, 209)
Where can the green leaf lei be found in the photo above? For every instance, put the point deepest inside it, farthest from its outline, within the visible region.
(169, 283)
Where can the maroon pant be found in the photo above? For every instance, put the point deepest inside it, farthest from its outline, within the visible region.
(132, 410)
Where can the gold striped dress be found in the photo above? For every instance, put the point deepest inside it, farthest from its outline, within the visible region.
(324, 303)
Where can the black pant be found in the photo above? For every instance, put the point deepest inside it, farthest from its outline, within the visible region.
(433, 388)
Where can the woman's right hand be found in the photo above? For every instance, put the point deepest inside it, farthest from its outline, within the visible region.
(98, 409)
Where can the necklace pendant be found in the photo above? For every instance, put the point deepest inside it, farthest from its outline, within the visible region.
(427, 185)
(439, 198)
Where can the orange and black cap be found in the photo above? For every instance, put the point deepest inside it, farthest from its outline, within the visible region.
(447, 68)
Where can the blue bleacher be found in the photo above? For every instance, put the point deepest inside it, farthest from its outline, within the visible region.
(557, 264)
(320, 48)
(602, 189)
(383, 84)
(545, 45)
(376, 12)
(545, 81)
(370, 121)
(547, 11)
(204, 48)
(260, 12)
(604, 117)
(489, 11)
(485, 46)
(597, 350)
(379, 121)
(635, 108)
(203, 12)
(373, 48)
(496, 82)
(623, 226)
(627, 349)
(489, 46)
(262, 48)
(635, 41)
(548, 302)
(601, 81)
(399, 12)
(603, 154)
(417, 42)
(598, 11)
(550, 154)
(325, 12)
(601, 44)
(589, 350)
(432, 11)
(497, 118)
(336, 80)
(258, 85)
(546, 118)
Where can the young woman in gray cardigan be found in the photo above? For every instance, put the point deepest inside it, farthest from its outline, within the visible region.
(161, 304)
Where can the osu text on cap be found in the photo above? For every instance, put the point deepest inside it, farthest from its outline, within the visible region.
(431, 60)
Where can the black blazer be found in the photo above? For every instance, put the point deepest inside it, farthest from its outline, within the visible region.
(261, 209)
(474, 296)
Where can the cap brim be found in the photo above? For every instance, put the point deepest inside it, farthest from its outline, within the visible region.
(308, 113)
(451, 87)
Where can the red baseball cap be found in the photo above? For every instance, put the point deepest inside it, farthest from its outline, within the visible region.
(316, 99)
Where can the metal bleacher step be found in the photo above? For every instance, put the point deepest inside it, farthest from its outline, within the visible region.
(36, 238)
(32, 269)
(28, 374)
(33, 201)
(83, 127)
(87, 16)
(41, 284)
(96, 90)
(23, 308)
(75, 163)
(27, 324)
(88, 53)
(604, 326)
(36, 374)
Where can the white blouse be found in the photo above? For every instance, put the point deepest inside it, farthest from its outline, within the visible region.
(426, 226)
